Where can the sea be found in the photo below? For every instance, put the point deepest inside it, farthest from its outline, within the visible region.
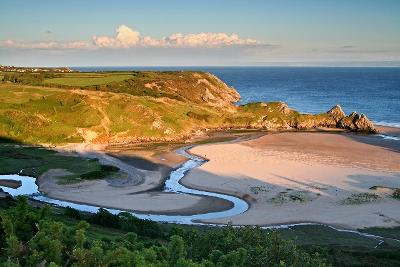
(372, 91)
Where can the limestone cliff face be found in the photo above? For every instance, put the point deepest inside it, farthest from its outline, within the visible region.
(336, 118)
(357, 122)
(215, 92)
(336, 113)
(277, 115)
(195, 87)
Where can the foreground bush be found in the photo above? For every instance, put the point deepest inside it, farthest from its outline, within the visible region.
(33, 237)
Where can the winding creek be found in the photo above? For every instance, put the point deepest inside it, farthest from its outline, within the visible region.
(30, 188)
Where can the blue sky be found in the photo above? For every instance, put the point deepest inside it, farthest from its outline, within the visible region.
(281, 32)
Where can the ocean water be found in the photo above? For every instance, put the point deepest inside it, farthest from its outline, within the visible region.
(372, 91)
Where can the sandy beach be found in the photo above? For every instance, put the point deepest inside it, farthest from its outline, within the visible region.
(330, 178)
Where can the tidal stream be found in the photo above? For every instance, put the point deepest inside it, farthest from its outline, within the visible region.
(30, 188)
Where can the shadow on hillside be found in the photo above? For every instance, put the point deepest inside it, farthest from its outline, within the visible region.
(7, 140)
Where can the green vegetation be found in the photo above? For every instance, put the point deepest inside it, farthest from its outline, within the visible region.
(27, 78)
(31, 237)
(38, 115)
(396, 194)
(47, 236)
(82, 80)
(103, 172)
(71, 116)
(34, 161)
(292, 196)
(179, 85)
(360, 198)
(131, 107)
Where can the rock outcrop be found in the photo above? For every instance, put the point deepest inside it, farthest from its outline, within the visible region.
(337, 113)
(336, 118)
(357, 122)
(315, 121)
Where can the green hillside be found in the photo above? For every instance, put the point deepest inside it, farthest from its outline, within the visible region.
(132, 107)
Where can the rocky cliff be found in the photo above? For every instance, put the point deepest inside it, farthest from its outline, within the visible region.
(336, 118)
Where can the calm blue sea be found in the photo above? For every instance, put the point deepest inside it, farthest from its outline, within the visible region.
(373, 91)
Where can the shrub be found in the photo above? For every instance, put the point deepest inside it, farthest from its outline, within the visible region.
(396, 194)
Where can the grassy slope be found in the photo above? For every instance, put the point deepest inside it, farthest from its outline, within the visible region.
(150, 106)
(49, 115)
(182, 85)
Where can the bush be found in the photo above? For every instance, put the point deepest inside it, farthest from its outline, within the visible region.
(396, 194)
(109, 168)
(72, 213)
(105, 170)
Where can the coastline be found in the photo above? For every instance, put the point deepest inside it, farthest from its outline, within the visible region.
(149, 198)
(237, 181)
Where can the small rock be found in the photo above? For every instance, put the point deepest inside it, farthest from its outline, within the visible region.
(283, 108)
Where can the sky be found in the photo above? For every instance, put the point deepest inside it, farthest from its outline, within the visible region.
(200, 33)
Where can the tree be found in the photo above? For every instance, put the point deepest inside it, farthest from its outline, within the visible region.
(176, 249)
(14, 247)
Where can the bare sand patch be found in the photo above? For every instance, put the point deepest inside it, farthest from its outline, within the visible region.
(101, 193)
(303, 177)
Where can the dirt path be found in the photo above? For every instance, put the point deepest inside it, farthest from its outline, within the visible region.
(98, 104)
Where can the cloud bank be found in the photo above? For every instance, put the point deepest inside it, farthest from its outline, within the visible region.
(45, 45)
(126, 37)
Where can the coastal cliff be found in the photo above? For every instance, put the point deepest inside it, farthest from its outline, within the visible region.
(124, 107)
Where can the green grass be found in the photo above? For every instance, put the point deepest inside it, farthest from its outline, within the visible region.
(88, 80)
(34, 161)
(322, 235)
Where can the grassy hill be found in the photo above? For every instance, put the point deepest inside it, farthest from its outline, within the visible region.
(198, 87)
(131, 107)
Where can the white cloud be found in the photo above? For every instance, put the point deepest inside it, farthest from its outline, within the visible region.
(151, 42)
(126, 37)
(46, 45)
(208, 39)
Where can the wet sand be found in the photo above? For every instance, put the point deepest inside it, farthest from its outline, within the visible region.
(10, 183)
(305, 177)
(133, 190)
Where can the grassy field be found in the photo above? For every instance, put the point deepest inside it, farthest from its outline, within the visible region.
(34, 161)
(88, 79)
